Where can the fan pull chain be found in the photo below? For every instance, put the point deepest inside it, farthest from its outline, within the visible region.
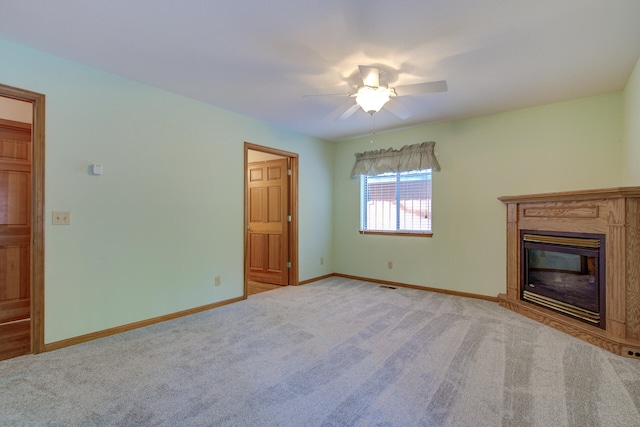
(373, 127)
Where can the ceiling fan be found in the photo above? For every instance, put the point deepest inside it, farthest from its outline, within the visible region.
(372, 95)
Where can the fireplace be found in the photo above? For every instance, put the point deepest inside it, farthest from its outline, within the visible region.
(565, 272)
(573, 263)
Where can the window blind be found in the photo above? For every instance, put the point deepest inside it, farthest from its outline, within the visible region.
(398, 202)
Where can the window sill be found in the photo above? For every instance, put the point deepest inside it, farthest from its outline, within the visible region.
(397, 233)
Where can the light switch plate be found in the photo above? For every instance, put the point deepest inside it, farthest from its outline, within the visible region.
(61, 217)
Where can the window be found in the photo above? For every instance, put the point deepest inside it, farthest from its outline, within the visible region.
(395, 189)
(396, 202)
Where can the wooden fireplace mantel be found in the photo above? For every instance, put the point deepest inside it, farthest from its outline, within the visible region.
(614, 212)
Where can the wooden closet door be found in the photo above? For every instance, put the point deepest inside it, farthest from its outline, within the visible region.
(15, 238)
(268, 227)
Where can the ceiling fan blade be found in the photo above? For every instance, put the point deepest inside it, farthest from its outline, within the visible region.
(345, 114)
(327, 94)
(370, 76)
(418, 88)
(398, 109)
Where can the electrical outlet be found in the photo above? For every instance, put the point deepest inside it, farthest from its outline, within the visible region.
(218, 281)
(321, 261)
(390, 265)
(61, 217)
(633, 353)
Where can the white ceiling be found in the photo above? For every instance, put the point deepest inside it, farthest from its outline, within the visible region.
(259, 57)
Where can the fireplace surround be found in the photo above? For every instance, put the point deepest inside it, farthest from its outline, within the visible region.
(564, 272)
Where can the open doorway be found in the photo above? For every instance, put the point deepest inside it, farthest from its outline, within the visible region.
(21, 222)
(271, 223)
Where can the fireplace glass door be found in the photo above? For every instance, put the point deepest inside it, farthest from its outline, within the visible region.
(565, 273)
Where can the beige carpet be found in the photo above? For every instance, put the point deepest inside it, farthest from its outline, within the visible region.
(332, 353)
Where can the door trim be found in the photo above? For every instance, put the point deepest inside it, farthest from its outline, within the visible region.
(37, 215)
(293, 211)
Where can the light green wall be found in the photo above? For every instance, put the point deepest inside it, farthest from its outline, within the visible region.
(148, 237)
(560, 147)
(631, 157)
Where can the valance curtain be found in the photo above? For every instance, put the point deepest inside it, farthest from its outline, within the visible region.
(408, 158)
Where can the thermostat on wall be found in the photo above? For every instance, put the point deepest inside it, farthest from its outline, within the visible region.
(96, 169)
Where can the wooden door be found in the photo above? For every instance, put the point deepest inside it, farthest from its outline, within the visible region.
(15, 237)
(268, 239)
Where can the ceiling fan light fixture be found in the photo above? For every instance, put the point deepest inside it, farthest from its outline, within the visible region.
(372, 99)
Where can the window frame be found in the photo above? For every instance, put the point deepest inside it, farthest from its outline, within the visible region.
(397, 232)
